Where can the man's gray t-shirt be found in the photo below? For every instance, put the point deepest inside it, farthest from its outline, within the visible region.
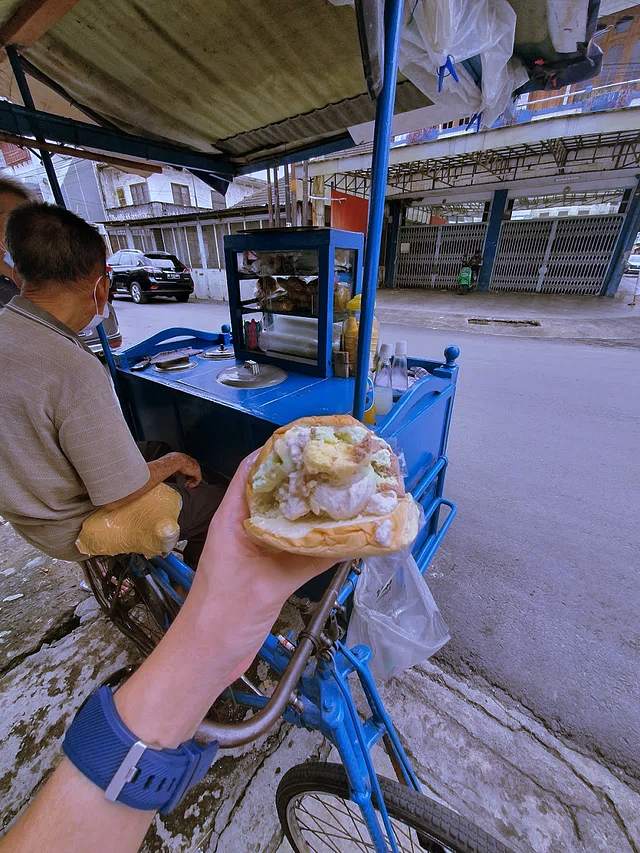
(65, 447)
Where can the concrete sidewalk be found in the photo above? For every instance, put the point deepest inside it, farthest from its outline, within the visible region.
(472, 746)
(588, 319)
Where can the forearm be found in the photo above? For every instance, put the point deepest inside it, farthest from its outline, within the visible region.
(162, 703)
(159, 471)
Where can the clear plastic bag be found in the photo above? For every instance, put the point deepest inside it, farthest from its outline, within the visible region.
(395, 615)
(461, 29)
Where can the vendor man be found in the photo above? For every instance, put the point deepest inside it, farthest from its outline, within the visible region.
(65, 448)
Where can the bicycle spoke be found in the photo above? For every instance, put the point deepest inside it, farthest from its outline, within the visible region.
(334, 821)
(346, 813)
(321, 822)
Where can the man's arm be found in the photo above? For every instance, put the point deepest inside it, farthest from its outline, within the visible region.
(159, 471)
(236, 596)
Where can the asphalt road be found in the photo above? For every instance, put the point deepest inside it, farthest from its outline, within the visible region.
(539, 576)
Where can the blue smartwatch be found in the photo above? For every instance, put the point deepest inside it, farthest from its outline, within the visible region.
(129, 771)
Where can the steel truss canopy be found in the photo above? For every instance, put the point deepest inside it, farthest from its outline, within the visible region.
(229, 85)
(502, 158)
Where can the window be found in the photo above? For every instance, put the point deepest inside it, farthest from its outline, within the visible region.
(194, 246)
(635, 55)
(181, 245)
(13, 154)
(118, 241)
(157, 237)
(140, 193)
(120, 196)
(210, 247)
(611, 66)
(169, 242)
(217, 201)
(137, 242)
(181, 194)
(623, 25)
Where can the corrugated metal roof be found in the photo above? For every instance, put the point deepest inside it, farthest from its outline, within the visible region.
(195, 73)
(242, 77)
(238, 76)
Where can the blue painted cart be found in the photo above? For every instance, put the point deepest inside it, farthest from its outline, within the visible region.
(337, 808)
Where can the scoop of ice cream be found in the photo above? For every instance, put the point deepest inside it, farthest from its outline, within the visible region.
(334, 460)
(382, 503)
(343, 502)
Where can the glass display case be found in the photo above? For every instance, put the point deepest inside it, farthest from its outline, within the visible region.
(288, 292)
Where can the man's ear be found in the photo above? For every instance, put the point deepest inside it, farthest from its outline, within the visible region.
(102, 290)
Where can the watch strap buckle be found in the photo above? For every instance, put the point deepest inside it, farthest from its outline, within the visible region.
(126, 772)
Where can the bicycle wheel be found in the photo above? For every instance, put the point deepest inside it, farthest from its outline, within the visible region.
(136, 605)
(318, 816)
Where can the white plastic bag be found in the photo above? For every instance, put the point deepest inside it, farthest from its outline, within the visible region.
(395, 615)
(436, 29)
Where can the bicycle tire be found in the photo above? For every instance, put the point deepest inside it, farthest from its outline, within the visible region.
(431, 827)
(137, 606)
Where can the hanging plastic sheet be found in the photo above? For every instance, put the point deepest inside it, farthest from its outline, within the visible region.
(438, 32)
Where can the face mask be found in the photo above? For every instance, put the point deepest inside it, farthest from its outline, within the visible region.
(8, 259)
(98, 318)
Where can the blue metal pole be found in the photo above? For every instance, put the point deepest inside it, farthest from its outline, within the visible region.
(624, 243)
(379, 168)
(25, 93)
(108, 355)
(491, 240)
(393, 231)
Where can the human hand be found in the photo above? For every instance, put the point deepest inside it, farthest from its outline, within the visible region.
(253, 582)
(189, 468)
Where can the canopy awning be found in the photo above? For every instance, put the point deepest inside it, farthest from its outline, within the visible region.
(239, 80)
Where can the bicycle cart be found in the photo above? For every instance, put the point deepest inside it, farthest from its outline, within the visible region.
(224, 392)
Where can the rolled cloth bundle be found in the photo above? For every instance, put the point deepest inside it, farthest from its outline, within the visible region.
(147, 525)
(328, 485)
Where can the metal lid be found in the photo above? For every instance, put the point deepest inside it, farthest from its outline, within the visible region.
(250, 375)
(401, 347)
(217, 353)
(174, 368)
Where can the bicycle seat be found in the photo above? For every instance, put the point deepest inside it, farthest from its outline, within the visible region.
(147, 526)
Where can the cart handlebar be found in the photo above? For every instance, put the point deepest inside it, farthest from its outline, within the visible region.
(236, 734)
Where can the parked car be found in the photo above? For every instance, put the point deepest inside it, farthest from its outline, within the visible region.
(633, 264)
(143, 275)
(111, 327)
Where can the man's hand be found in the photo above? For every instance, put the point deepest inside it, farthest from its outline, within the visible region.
(190, 469)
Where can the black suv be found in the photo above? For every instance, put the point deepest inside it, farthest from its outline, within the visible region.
(143, 276)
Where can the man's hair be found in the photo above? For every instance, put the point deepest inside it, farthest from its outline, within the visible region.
(11, 187)
(51, 244)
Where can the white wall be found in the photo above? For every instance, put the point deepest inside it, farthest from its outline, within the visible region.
(160, 187)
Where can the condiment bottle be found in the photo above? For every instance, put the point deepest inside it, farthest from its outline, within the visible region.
(382, 387)
(399, 374)
(350, 333)
(383, 352)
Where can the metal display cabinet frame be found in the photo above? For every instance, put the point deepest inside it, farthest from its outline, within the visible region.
(323, 240)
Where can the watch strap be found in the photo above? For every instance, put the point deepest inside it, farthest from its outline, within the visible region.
(129, 771)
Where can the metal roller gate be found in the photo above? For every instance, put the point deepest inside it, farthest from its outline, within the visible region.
(431, 255)
(569, 255)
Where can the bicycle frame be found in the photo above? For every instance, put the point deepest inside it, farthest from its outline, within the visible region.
(321, 699)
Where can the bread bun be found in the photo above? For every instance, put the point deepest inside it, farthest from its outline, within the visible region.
(317, 533)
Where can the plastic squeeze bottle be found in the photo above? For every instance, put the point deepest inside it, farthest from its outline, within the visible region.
(383, 352)
(382, 387)
(399, 374)
(350, 334)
